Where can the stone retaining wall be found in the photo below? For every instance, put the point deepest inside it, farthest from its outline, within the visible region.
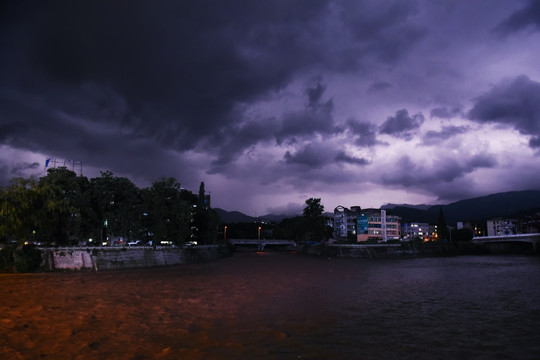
(99, 258)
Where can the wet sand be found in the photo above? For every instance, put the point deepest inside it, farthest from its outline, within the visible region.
(201, 311)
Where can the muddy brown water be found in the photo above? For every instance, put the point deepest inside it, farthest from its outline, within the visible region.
(279, 305)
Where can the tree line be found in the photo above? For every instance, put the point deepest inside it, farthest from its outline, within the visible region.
(62, 208)
(310, 227)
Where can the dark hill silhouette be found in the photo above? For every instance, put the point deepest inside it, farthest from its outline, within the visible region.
(477, 209)
(230, 217)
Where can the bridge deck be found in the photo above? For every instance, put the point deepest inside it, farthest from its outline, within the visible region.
(532, 238)
(261, 243)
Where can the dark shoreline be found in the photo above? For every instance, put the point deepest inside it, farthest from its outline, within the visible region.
(412, 251)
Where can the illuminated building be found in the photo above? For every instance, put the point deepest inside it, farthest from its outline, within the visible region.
(373, 224)
(501, 226)
(415, 230)
(345, 222)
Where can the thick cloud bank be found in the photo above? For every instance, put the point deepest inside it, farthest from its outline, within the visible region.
(356, 102)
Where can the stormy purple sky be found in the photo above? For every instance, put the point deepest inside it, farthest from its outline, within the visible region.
(272, 102)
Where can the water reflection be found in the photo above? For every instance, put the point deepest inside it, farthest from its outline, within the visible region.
(279, 305)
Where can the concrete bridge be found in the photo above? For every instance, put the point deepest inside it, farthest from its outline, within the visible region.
(533, 239)
(262, 243)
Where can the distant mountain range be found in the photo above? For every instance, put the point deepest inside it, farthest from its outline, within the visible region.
(393, 206)
(508, 204)
(480, 209)
(230, 217)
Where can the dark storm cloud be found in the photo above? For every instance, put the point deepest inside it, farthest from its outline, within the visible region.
(401, 124)
(315, 94)
(365, 133)
(526, 18)
(17, 170)
(316, 118)
(435, 137)
(445, 113)
(411, 174)
(310, 156)
(10, 131)
(379, 86)
(343, 157)
(178, 72)
(236, 140)
(385, 29)
(513, 102)
(178, 67)
(191, 88)
(316, 156)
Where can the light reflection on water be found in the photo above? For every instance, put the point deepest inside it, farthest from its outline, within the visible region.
(279, 305)
(478, 307)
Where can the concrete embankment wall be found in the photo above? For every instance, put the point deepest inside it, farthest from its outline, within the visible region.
(98, 258)
(512, 248)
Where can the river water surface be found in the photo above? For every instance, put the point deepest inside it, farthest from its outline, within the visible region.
(279, 305)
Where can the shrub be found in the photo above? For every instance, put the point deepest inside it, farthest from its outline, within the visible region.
(27, 259)
(6, 258)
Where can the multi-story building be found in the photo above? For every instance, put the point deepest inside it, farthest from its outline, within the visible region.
(477, 229)
(373, 224)
(345, 222)
(415, 230)
(500, 226)
(530, 224)
(431, 234)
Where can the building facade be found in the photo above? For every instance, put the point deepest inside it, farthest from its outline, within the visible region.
(500, 226)
(373, 224)
(345, 222)
(415, 230)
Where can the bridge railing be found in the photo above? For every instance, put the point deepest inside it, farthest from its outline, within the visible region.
(513, 237)
(261, 244)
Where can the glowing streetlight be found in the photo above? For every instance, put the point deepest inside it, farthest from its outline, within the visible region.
(259, 234)
(225, 234)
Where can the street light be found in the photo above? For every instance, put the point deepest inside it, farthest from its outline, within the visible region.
(259, 234)
(225, 234)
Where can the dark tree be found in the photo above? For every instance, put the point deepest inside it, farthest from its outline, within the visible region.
(290, 229)
(202, 195)
(314, 209)
(314, 220)
(165, 214)
(464, 235)
(66, 208)
(205, 219)
(442, 228)
(19, 218)
(117, 204)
